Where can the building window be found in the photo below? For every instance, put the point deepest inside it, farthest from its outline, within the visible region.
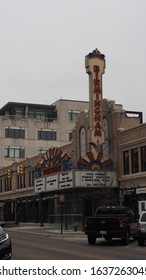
(39, 115)
(7, 185)
(31, 179)
(126, 162)
(105, 128)
(21, 181)
(1, 186)
(73, 115)
(47, 134)
(70, 136)
(31, 114)
(143, 158)
(17, 152)
(134, 158)
(14, 132)
(82, 141)
(19, 113)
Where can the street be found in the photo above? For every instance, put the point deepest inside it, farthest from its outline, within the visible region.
(32, 246)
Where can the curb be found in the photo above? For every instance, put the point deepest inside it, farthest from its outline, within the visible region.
(38, 230)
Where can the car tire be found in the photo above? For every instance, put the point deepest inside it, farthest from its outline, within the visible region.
(91, 240)
(125, 238)
(140, 242)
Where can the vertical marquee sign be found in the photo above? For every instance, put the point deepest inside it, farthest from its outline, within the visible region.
(95, 66)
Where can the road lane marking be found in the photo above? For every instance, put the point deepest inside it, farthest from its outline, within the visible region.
(82, 255)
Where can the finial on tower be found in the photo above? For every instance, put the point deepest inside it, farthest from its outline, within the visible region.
(96, 53)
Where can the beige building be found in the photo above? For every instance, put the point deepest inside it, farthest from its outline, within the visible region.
(27, 130)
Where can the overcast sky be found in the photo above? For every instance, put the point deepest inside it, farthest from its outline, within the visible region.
(43, 44)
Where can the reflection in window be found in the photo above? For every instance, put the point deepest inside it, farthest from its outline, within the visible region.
(82, 142)
(126, 162)
(134, 158)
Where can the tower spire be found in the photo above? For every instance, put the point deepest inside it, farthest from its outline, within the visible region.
(95, 67)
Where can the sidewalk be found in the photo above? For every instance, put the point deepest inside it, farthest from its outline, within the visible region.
(46, 229)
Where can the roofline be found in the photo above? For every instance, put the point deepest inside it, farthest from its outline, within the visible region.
(21, 104)
(70, 100)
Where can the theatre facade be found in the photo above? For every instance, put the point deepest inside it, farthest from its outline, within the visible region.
(69, 182)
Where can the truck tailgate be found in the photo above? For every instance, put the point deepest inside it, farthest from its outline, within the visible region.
(103, 223)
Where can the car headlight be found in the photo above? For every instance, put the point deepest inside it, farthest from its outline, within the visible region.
(3, 237)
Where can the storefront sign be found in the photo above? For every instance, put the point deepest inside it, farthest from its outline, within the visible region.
(66, 180)
(140, 190)
(52, 182)
(129, 191)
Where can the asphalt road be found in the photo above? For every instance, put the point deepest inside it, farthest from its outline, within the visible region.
(29, 246)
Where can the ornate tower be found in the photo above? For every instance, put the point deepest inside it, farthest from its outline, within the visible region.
(95, 67)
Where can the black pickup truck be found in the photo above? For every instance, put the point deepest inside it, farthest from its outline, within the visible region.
(111, 222)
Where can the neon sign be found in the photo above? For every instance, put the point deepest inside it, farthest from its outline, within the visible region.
(97, 102)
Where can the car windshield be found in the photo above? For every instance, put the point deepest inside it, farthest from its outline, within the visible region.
(143, 217)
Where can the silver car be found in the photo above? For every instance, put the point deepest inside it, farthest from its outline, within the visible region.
(141, 228)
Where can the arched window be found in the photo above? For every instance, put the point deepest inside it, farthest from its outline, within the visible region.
(82, 141)
(105, 128)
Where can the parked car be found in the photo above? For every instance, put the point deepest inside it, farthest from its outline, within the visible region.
(5, 245)
(141, 229)
(111, 222)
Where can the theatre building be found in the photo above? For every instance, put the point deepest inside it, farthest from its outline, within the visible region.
(72, 180)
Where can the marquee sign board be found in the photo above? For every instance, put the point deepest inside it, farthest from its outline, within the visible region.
(52, 182)
(39, 185)
(66, 180)
(95, 179)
